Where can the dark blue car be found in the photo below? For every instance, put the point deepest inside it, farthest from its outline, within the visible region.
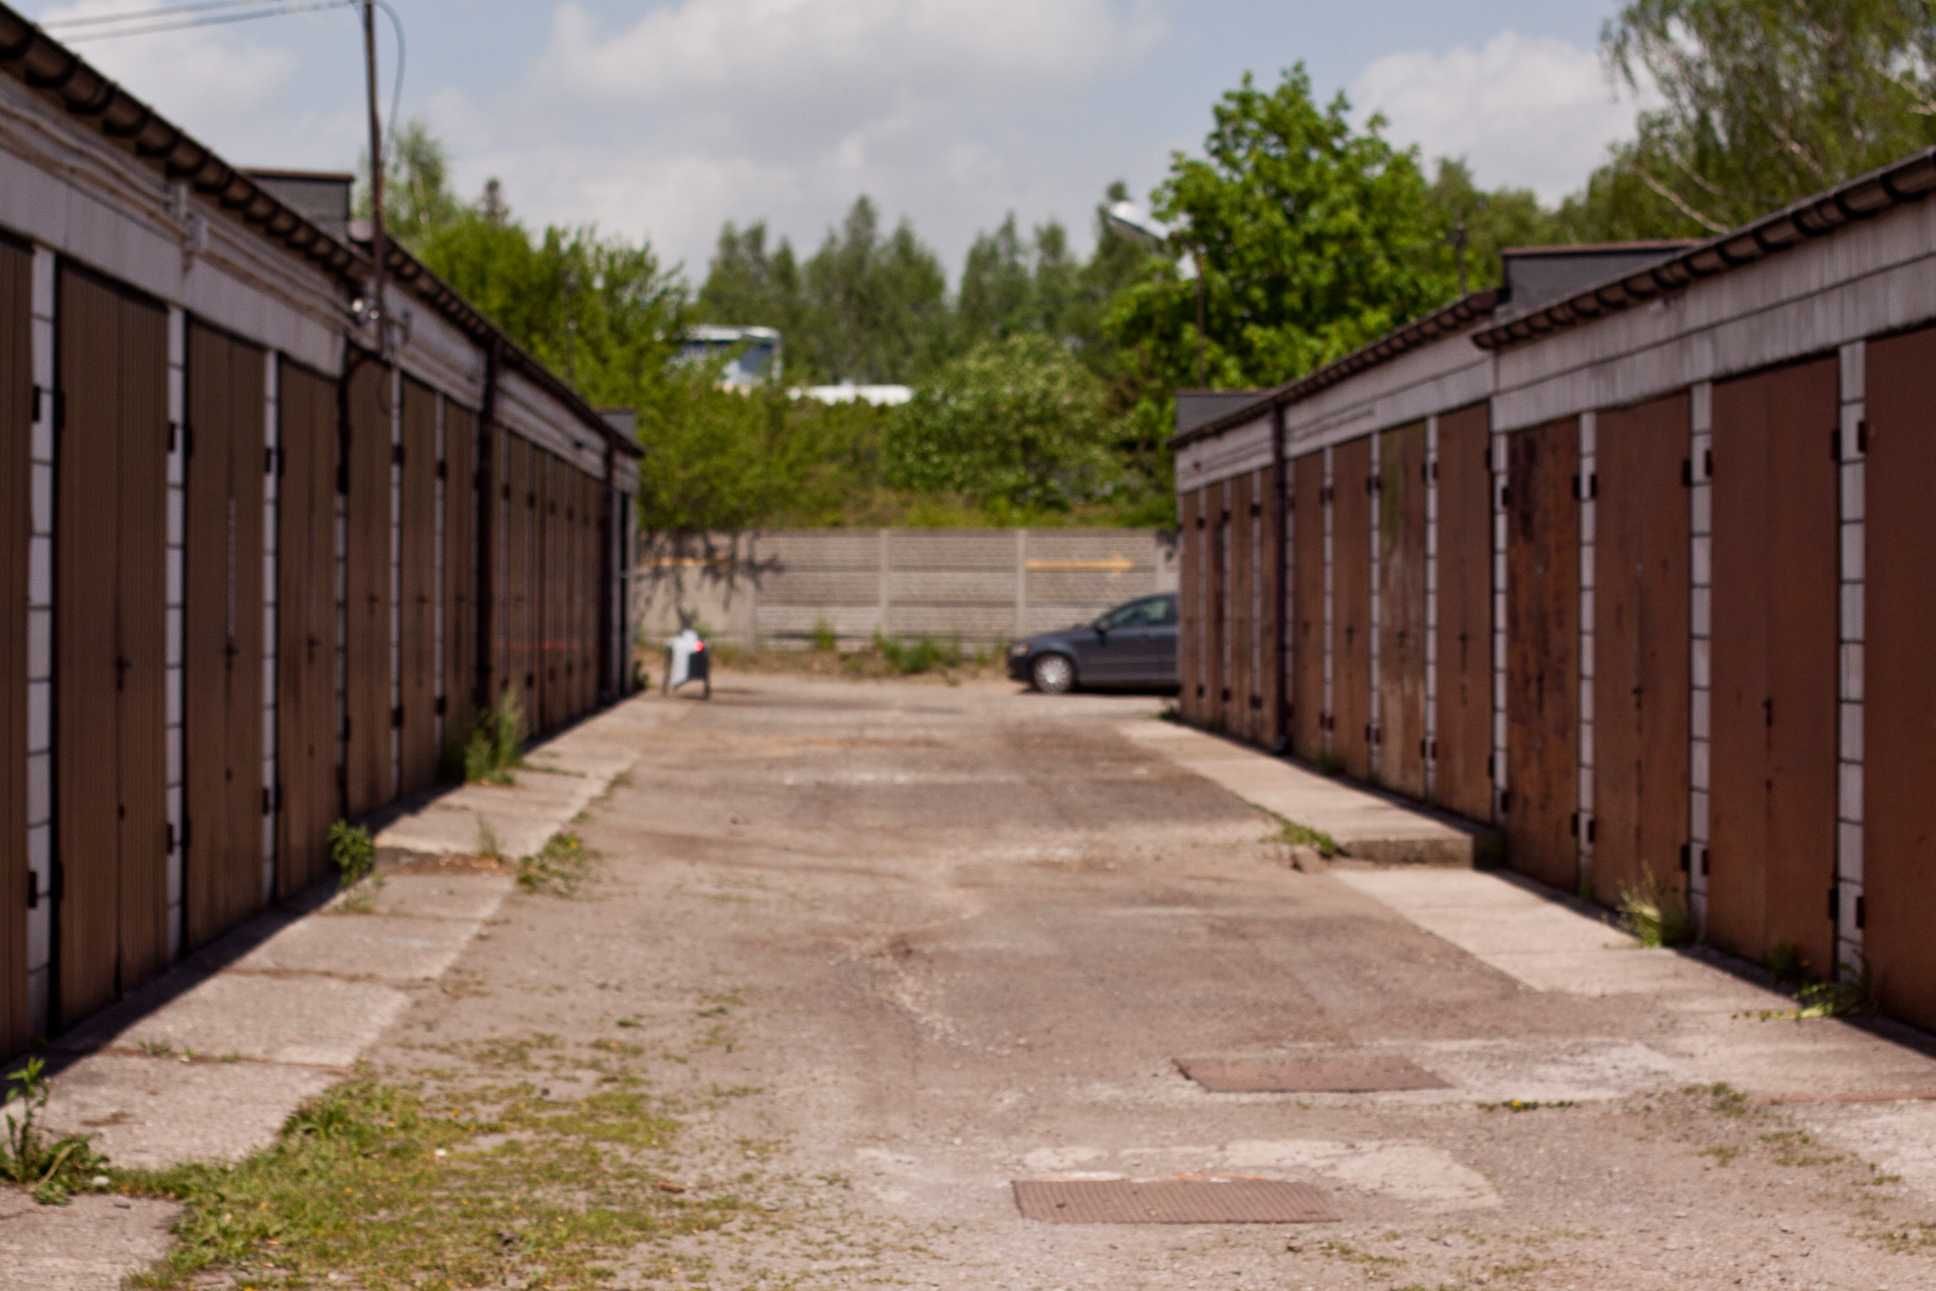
(1133, 645)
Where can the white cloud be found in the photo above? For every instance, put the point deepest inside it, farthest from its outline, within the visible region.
(1527, 111)
(215, 83)
(950, 110)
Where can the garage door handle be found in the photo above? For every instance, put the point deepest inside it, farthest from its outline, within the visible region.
(1768, 711)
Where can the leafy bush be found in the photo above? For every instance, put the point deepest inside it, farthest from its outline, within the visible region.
(1655, 914)
(353, 851)
(1018, 425)
(925, 654)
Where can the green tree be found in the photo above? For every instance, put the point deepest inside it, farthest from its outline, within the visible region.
(1312, 236)
(877, 308)
(1480, 225)
(1766, 101)
(1015, 427)
(997, 295)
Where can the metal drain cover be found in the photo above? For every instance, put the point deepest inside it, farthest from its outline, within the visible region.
(1171, 1201)
(1346, 1074)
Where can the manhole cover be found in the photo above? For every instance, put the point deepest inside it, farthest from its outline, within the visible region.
(1366, 1074)
(1171, 1201)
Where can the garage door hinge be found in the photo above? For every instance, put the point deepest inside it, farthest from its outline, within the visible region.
(1505, 496)
(1327, 493)
(1835, 904)
(396, 454)
(268, 801)
(441, 705)
(33, 877)
(1573, 825)
(396, 718)
(55, 404)
(443, 470)
(187, 831)
(1861, 911)
(1505, 801)
(1586, 488)
(1862, 435)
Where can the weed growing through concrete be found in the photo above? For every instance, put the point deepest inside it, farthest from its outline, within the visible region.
(1655, 914)
(1724, 1099)
(491, 752)
(557, 869)
(923, 655)
(1292, 834)
(353, 852)
(488, 846)
(1530, 1105)
(52, 1168)
(824, 639)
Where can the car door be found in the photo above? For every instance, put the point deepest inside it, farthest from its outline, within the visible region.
(1129, 641)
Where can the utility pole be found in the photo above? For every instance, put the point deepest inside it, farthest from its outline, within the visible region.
(377, 310)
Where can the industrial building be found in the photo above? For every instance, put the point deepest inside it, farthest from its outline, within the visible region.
(1632, 558)
(259, 569)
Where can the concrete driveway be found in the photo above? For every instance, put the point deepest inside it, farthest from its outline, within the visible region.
(887, 949)
(959, 937)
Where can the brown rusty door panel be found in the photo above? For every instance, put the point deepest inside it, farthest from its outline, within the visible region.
(1216, 605)
(1236, 692)
(16, 413)
(1543, 651)
(1463, 777)
(417, 571)
(367, 587)
(1772, 822)
(1401, 609)
(306, 628)
(222, 649)
(1899, 755)
(1189, 598)
(1351, 598)
(460, 570)
(1307, 606)
(1270, 729)
(110, 612)
(1640, 647)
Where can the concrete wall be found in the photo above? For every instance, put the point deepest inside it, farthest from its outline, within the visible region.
(981, 587)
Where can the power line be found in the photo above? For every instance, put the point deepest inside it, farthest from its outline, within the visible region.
(149, 14)
(133, 26)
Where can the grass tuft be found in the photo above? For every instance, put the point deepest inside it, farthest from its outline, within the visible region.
(52, 1169)
(1292, 834)
(353, 851)
(557, 869)
(1655, 914)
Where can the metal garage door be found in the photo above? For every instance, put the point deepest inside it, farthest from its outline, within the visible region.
(1308, 627)
(524, 577)
(222, 645)
(1188, 602)
(1463, 779)
(1351, 604)
(417, 584)
(306, 717)
(370, 780)
(110, 610)
(1543, 651)
(1771, 855)
(1899, 756)
(16, 412)
(1401, 609)
(1237, 600)
(1216, 610)
(1640, 647)
(460, 569)
(1270, 547)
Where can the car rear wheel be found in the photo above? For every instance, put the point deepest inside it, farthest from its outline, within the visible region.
(1053, 674)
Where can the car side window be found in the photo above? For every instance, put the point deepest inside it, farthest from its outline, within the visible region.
(1148, 613)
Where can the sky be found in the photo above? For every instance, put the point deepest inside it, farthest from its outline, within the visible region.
(661, 120)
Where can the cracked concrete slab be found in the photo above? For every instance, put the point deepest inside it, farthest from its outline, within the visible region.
(90, 1243)
(372, 945)
(313, 1021)
(153, 1112)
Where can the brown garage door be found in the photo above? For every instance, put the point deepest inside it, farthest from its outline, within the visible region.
(1189, 596)
(1401, 609)
(460, 570)
(1271, 731)
(16, 412)
(1216, 611)
(417, 584)
(1640, 647)
(306, 718)
(1237, 603)
(1771, 856)
(1351, 602)
(1463, 778)
(1543, 651)
(222, 646)
(1308, 627)
(525, 576)
(110, 611)
(1899, 757)
(369, 775)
